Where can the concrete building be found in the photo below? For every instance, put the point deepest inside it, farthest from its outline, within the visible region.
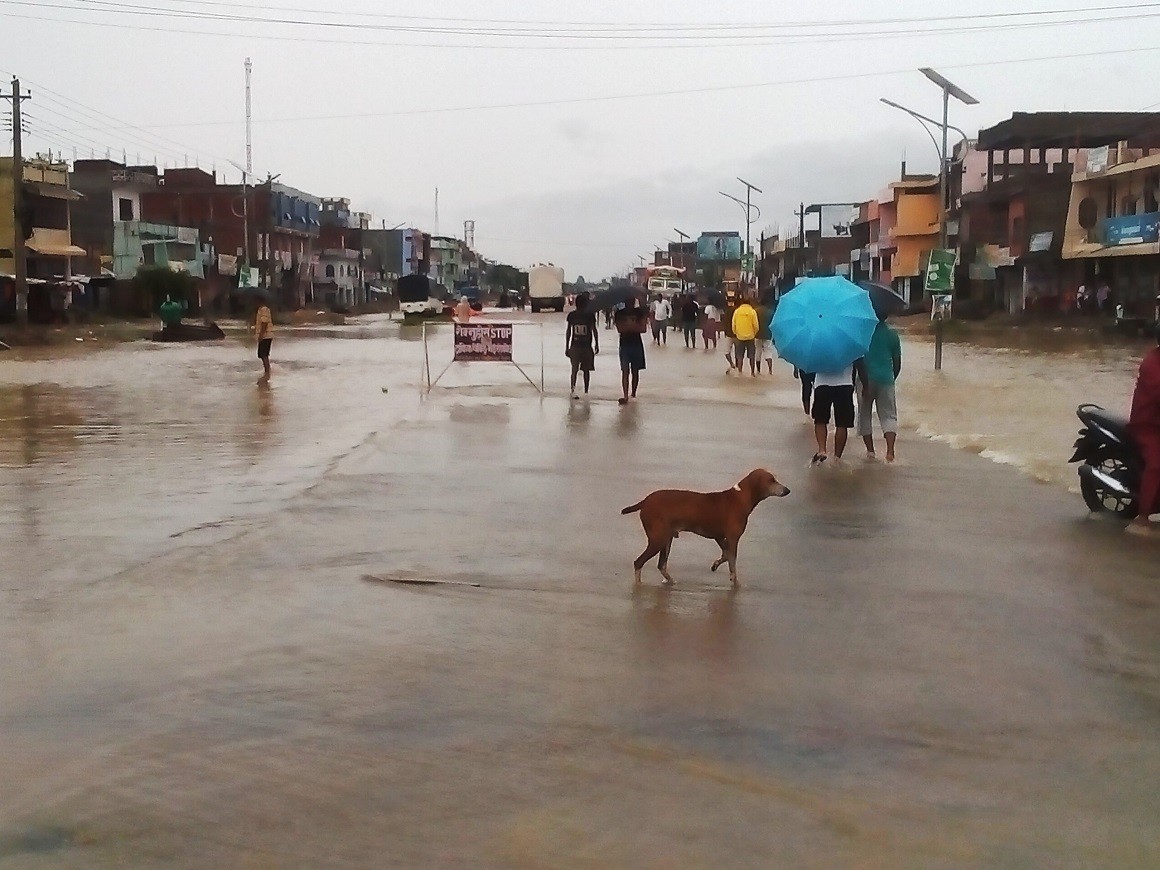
(910, 220)
(138, 243)
(1112, 229)
(1012, 225)
(283, 226)
(338, 277)
(446, 258)
(48, 200)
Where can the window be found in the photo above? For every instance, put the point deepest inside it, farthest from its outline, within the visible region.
(329, 271)
(124, 209)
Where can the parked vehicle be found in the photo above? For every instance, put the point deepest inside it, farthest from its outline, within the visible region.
(1109, 478)
(418, 297)
(546, 288)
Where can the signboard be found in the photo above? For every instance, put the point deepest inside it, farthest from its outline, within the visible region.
(483, 342)
(1040, 242)
(835, 220)
(1097, 159)
(227, 265)
(748, 262)
(719, 246)
(940, 272)
(1135, 229)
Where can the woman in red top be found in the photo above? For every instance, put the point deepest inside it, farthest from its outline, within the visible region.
(1144, 425)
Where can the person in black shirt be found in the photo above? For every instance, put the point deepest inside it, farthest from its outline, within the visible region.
(582, 342)
(689, 312)
(631, 322)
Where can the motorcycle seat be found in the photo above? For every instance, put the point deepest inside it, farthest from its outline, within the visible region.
(1114, 423)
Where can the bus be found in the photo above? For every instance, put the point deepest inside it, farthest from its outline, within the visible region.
(665, 280)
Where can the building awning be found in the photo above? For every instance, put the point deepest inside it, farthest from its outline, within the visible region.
(50, 250)
(1086, 251)
(53, 191)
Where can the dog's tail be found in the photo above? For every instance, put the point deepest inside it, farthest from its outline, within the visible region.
(631, 509)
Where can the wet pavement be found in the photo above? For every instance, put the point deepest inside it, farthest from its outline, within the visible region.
(941, 663)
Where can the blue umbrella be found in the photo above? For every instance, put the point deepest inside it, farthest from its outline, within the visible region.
(824, 324)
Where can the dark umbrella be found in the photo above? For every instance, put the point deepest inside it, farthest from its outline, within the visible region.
(886, 300)
(612, 297)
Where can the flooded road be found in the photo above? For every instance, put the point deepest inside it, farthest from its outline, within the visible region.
(942, 663)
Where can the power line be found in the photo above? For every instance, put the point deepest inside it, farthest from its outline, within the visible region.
(96, 120)
(539, 26)
(649, 42)
(712, 89)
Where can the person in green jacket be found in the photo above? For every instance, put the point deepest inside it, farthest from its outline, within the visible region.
(881, 365)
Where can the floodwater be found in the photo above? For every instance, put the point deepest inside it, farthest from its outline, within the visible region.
(206, 658)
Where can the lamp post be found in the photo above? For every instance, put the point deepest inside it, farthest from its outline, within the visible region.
(752, 212)
(949, 89)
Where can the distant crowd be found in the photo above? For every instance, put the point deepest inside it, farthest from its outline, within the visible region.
(849, 397)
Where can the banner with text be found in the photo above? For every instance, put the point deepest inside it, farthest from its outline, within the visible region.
(483, 342)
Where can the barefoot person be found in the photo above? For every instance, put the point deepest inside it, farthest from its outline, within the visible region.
(631, 322)
(834, 393)
(264, 330)
(883, 363)
(1144, 426)
(581, 342)
(711, 323)
(745, 329)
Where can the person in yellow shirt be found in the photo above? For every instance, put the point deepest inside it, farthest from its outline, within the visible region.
(745, 328)
(264, 329)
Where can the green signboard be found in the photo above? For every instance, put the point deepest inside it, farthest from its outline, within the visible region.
(940, 272)
(747, 262)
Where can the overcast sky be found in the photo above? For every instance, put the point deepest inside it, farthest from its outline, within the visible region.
(585, 183)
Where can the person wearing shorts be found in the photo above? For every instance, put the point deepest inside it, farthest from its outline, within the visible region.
(631, 322)
(764, 337)
(264, 329)
(883, 363)
(581, 342)
(834, 395)
(745, 330)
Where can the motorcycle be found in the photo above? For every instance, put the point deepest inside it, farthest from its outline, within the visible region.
(1109, 478)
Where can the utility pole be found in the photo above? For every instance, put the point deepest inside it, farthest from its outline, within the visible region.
(249, 121)
(19, 252)
(749, 219)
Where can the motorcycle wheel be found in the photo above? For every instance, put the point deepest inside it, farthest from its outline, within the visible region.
(1099, 499)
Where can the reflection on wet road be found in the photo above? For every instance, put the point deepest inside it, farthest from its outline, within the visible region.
(940, 663)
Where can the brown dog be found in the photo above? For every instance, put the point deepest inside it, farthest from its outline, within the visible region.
(721, 516)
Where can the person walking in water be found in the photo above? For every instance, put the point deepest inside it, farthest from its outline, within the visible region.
(1144, 427)
(661, 311)
(689, 311)
(745, 329)
(710, 325)
(807, 379)
(882, 364)
(581, 342)
(463, 310)
(631, 322)
(764, 336)
(264, 330)
(834, 394)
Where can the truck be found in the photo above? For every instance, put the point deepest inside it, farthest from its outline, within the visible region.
(419, 298)
(546, 288)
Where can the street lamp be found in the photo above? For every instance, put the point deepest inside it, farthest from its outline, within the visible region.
(747, 204)
(949, 89)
